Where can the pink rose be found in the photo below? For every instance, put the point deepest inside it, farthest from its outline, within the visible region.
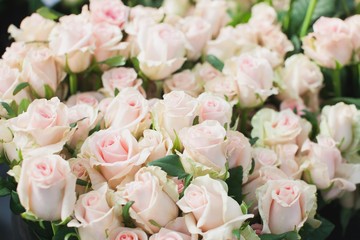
(162, 50)
(160, 145)
(197, 32)
(10, 78)
(176, 111)
(114, 155)
(272, 56)
(209, 210)
(89, 98)
(263, 15)
(165, 234)
(120, 78)
(79, 168)
(285, 205)
(15, 54)
(43, 127)
(212, 107)
(204, 143)
(123, 233)
(40, 69)
(94, 217)
(206, 72)
(223, 87)
(294, 105)
(254, 78)
(128, 110)
(183, 81)
(72, 41)
(32, 28)
(354, 25)
(109, 11)
(149, 196)
(47, 187)
(107, 41)
(329, 43)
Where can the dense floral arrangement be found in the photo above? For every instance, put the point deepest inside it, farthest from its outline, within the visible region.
(197, 120)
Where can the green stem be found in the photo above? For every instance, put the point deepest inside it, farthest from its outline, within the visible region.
(287, 21)
(54, 228)
(307, 20)
(159, 88)
(73, 82)
(357, 75)
(337, 81)
(345, 6)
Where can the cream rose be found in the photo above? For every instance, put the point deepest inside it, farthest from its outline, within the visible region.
(123, 233)
(44, 127)
(176, 111)
(165, 234)
(47, 187)
(204, 144)
(109, 11)
(329, 43)
(285, 205)
(94, 217)
(254, 78)
(205, 72)
(72, 41)
(120, 78)
(89, 98)
(354, 25)
(115, 154)
(341, 122)
(128, 110)
(149, 195)
(209, 210)
(213, 107)
(160, 145)
(183, 81)
(223, 86)
(197, 32)
(32, 28)
(176, 7)
(283, 127)
(162, 50)
(15, 54)
(40, 69)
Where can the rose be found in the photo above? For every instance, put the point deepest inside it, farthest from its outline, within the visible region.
(32, 28)
(254, 77)
(197, 32)
(89, 98)
(47, 187)
(120, 78)
(107, 41)
(165, 234)
(183, 81)
(296, 105)
(209, 210)
(162, 50)
(128, 110)
(214, 12)
(109, 11)
(10, 78)
(15, 54)
(176, 7)
(232, 41)
(160, 146)
(176, 111)
(300, 76)
(212, 107)
(324, 44)
(72, 41)
(353, 23)
(85, 118)
(94, 217)
(44, 127)
(271, 56)
(206, 72)
(223, 87)
(283, 127)
(41, 70)
(340, 123)
(115, 154)
(285, 205)
(79, 168)
(204, 143)
(124, 233)
(263, 15)
(289, 162)
(148, 194)
(238, 152)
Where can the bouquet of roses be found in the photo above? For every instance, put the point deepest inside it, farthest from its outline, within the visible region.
(206, 119)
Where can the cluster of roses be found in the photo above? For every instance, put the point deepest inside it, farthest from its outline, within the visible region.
(107, 138)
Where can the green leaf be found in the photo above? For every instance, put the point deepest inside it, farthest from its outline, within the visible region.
(196, 120)
(235, 182)
(170, 164)
(49, 13)
(20, 87)
(23, 106)
(252, 166)
(312, 118)
(241, 17)
(177, 143)
(49, 93)
(215, 62)
(116, 61)
(136, 65)
(83, 183)
(153, 222)
(297, 16)
(236, 233)
(321, 233)
(116, 92)
(64, 232)
(324, 8)
(127, 220)
(15, 204)
(9, 109)
(284, 236)
(252, 141)
(345, 216)
(4, 190)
